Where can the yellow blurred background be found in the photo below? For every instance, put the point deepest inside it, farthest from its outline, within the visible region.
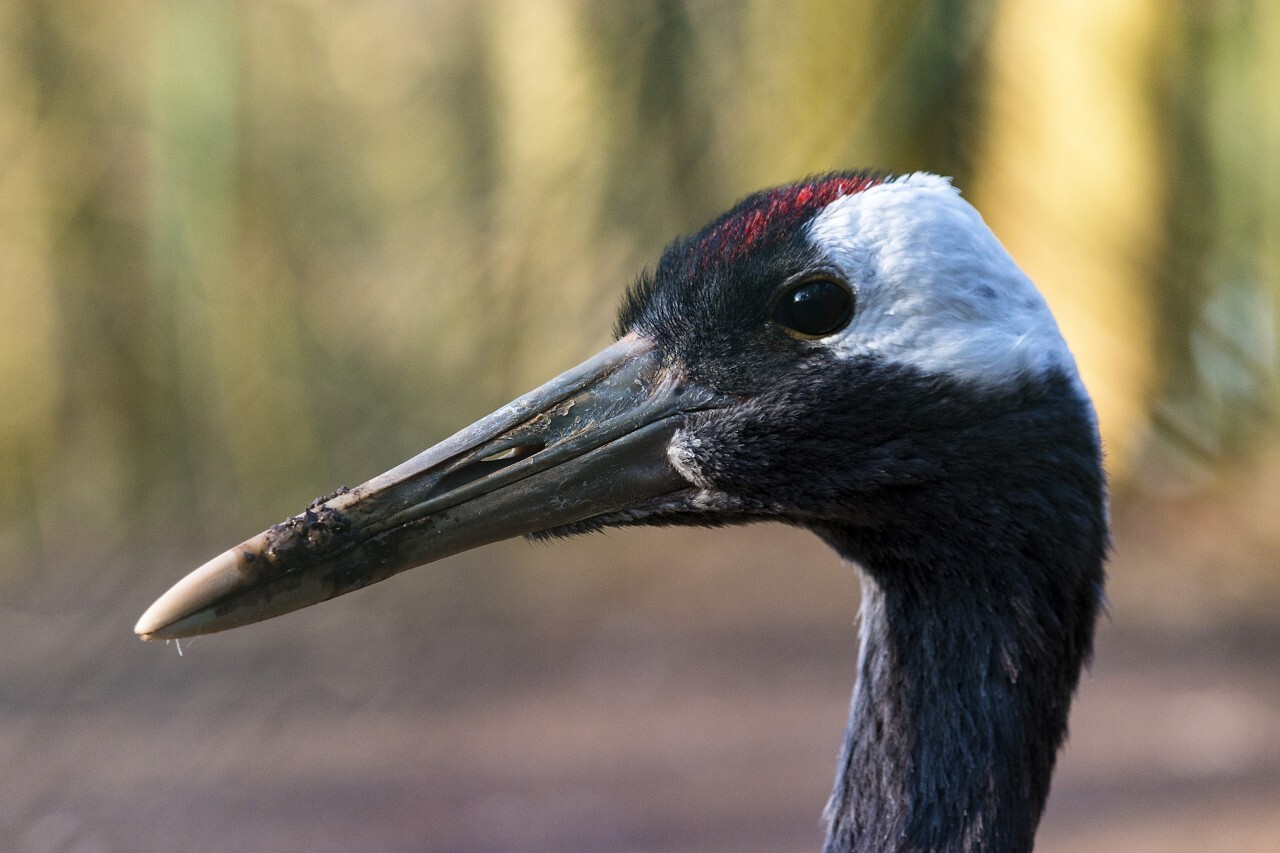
(251, 251)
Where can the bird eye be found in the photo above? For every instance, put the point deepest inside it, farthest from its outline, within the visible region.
(814, 308)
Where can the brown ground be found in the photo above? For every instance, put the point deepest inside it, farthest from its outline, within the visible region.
(647, 690)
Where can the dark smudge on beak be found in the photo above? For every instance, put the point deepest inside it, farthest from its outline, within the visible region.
(591, 441)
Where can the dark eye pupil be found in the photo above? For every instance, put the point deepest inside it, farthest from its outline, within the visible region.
(815, 308)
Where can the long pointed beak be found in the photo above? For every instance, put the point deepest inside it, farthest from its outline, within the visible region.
(591, 441)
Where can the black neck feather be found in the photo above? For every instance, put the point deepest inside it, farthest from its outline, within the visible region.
(956, 720)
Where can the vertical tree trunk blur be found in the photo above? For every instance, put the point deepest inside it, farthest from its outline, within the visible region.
(248, 249)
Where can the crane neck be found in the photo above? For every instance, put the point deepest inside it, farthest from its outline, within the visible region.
(965, 679)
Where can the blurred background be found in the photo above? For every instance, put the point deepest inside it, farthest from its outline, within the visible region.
(252, 251)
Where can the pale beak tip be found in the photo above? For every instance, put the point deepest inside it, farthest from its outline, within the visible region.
(186, 609)
(157, 617)
(171, 617)
(153, 624)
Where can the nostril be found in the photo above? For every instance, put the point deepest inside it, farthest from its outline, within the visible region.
(480, 468)
(514, 454)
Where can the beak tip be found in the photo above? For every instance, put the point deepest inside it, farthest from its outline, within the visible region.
(160, 620)
(153, 622)
(229, 591)
(185, 609)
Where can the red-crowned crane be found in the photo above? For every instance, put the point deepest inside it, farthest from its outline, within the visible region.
(855, 354)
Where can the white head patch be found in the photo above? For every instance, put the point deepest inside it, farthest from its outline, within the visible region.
(935, 289)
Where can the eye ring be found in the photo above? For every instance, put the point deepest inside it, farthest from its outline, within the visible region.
(814, 308)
